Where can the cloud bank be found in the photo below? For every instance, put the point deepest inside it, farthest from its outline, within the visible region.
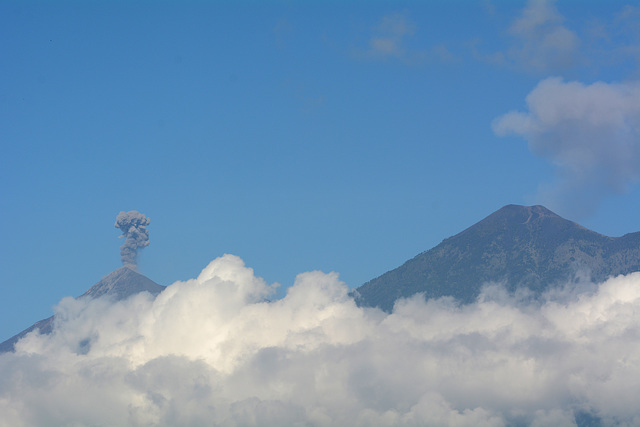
(591, 133)
(214, 351)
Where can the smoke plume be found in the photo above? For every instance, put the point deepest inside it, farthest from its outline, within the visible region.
(134, 230)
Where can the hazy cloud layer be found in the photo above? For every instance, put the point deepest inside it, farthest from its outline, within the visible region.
(213, 351)
(591, 133)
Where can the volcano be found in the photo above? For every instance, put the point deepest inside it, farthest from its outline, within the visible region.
(520, 246)
(119, 285)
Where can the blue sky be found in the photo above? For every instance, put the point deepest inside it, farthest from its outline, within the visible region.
(337, 136)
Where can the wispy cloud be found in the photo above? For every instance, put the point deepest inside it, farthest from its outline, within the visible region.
(212, 351)
(591, 133)
(539, 41)
(617, 41)
(544, 43)
(389, 38)
(283, 31)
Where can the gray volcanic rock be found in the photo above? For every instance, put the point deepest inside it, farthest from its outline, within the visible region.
(123, 283)
(120, 284)
(519, 245)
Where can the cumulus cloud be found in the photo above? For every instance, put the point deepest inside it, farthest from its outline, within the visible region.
(591, 133)
(214, 351)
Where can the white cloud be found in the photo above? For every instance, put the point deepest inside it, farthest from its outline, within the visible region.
(212, 351)
(591, 133)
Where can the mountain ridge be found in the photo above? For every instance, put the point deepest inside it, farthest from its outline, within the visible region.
(521, 246)
(528, 246)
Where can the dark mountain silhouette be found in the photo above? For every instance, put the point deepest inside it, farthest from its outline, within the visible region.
(119, 284)
(518, 245)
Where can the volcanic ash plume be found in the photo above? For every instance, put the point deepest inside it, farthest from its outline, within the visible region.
(134, 229)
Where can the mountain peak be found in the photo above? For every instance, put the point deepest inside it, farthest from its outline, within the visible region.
(119, 284)
(123, 283)
(535, 211)
(522, 214)
(522, 246)
(524, 222)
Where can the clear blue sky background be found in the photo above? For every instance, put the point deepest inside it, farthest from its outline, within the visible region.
(339, 136)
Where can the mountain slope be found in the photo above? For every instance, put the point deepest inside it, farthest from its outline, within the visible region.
(119, 284)
(519, 245)
(123, 283)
